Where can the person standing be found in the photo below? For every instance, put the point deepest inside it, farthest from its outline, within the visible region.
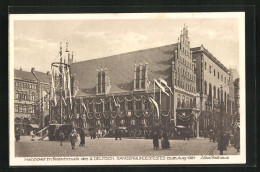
(99, 134)
(155, 140)
(61, 137)
(73, 138)
(82, 137)
(33, 135)
(237, 140)
(165, 141)
(118, 134)
(17, 134)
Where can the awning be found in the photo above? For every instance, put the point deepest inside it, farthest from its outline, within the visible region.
(34, 126)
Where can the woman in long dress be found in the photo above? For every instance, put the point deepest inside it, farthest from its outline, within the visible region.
(73, 138)
(155, 140)
(165, 141)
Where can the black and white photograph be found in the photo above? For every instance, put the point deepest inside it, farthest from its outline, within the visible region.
(127, 89)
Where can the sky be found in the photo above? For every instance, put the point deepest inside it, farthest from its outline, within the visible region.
(37, 42)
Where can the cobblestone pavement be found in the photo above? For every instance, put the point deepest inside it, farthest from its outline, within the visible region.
(230, 151)
(110, 147)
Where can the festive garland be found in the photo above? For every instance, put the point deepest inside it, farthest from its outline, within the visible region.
(104, 114)
(137, 115)
(121, 114)
(133, 122)
(113, 116)
(98, 122)
(144, 121)
(90, 114)
(99, 115)
(165, 114)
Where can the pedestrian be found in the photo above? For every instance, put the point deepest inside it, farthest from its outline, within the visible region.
(73, 138)
(155, 140)
(165, 141)
(237, 139)
(33, 135)
(222, 143)
(99, 134)
(17, 134)
(117, 134)
(61, 137)
(82, 137)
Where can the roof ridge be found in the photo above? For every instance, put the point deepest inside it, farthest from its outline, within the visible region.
(147, 49)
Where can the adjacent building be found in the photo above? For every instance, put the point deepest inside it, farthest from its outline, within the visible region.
(213, 81)
(31, 101)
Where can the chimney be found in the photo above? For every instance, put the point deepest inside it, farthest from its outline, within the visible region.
(33, 70)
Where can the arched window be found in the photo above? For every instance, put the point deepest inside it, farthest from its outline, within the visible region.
(20, 95)
(20, 108)
(183, 101)
(143, 78)
(25, 96)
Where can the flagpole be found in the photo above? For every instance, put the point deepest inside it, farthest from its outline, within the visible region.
(154, 90)
(160, 104)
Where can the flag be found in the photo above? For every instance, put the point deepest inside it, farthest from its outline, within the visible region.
(53, 87)
(116, 104)
(84, 106)
(64, 80)
(68, 74)
(156, 105)
(161, 87)
(165, 83)
(64, 101)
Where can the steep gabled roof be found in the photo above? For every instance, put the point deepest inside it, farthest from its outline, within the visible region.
(24, 75)
(29, 76)
(121, 69)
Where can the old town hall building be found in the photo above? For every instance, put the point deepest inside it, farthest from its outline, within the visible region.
(115, 91)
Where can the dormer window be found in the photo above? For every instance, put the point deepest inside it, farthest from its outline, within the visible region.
(140, 78)
(103, 82)
(137, 78)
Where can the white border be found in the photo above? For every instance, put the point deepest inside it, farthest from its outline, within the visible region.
(235, 159)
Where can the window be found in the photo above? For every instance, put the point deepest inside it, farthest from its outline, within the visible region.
(21, 108)
(209, 69)
(25, 96)
(205, 87)
(16, 109)
(214, 72)
(99, 107)
(20, 95)
(137, 77)
(147, 104)
(218, 94)
(90, 107)
(138, 105)
(114, 108)
(16, 95)
(24, 109)
(130, 105)
(143, 78)
(218, 75)
(103, 82)
(221, 77)
(122, 106)
(107, 106)
(210, 90)
(205, 65)
(214, 91)
(225, 80)
(33, 109)
(99, 82)
(33, 97)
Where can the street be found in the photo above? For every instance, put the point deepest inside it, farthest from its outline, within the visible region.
(111, 147)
